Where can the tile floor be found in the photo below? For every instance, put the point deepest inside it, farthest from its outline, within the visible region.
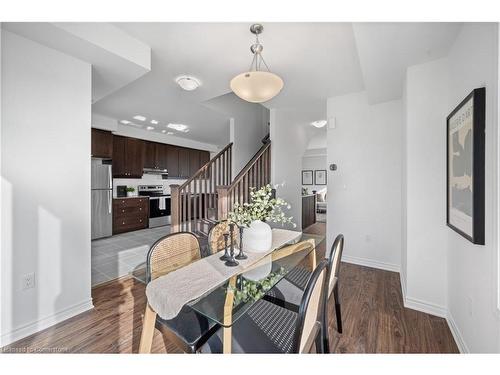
(119, 255)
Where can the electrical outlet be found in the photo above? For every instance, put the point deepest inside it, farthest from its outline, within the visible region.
(28, 281)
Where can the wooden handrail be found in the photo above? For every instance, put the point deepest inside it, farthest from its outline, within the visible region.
(249, 165)
(194, 203)
(205, 167)
(255, 174)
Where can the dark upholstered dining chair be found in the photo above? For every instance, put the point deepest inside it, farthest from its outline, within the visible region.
(269, 328)
(288, 292)
(188, 330)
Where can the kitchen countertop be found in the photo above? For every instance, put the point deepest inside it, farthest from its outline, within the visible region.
(131, 197)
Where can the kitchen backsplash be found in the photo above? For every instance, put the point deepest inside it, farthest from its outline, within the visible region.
(146, 180)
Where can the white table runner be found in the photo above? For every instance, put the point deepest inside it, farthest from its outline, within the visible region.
(167, 294)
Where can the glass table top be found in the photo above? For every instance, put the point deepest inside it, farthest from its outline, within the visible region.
(235, 296)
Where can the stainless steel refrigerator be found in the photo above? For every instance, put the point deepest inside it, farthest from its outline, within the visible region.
(102, 198)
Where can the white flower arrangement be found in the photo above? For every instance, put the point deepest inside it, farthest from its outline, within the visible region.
(262, 207)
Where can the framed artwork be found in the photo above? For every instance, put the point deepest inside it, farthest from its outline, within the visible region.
(320, 177)
(307, 177)
(465, 167)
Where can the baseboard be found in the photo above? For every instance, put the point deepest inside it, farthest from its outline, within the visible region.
(370, 263)
(44, 323)
(462, 346)
(426, 307)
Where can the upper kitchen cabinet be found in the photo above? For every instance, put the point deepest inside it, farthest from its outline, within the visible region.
(172, 160)
(128, 157)
(156, 155)
(194, 161)
(204, 158)
(184, 163)
(102, 144)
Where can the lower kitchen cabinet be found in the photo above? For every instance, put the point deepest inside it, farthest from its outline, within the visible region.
(130, 214)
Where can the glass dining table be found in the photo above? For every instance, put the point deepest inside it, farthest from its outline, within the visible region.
(230, 300)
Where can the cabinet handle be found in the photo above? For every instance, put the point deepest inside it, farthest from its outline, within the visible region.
(123, 210)
(140, 208)
(123, 222)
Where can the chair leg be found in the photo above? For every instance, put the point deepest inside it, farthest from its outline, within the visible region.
(148, 330)
(324, 331)
(320, 347)
(337, 308)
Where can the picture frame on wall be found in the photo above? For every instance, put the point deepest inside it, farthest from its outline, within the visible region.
(307, 177)
(320, 177)
(465, 149)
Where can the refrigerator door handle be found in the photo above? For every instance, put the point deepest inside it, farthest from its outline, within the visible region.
(110, 178)
(110, 199)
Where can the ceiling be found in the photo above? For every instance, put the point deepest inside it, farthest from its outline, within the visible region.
(315, 60)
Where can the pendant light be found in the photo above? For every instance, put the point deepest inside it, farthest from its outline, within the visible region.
(256, 86)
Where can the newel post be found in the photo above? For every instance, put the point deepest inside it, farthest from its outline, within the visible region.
(222, 202)
(175, 208)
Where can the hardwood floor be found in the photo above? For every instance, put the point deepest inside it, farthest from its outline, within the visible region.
(374, 319)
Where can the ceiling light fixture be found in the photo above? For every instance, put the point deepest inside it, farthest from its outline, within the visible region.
(140, 118)
(179, 127)
(188, 83)
(150, 128)
(256, 86)
(319, 123)
(124, 122)
(154, 122)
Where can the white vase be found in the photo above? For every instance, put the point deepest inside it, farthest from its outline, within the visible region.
(257, 238)
(130, 193)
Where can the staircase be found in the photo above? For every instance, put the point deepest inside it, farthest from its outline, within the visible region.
(211, 193)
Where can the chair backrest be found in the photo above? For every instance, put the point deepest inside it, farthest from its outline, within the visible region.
(216, 236)
(171, 252)
(334, 261)
(311, 306)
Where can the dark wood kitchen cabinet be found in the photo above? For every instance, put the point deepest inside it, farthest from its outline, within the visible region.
(204, 158)
(184, 170)
(130, 214)
(156, 155)
(194, 161)
(128, 157)
(102, 144)
(172, 160)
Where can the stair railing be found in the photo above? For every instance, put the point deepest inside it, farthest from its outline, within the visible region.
(194, 203)
(255, 174)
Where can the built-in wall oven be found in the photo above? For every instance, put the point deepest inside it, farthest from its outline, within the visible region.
(159, 204)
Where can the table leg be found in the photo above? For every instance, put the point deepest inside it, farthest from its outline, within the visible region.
(312, 257)
(228, 317)
(148, 330)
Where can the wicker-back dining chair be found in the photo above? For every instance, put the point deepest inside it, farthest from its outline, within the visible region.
(216, 236)
(188, 330)
(289, 291)
(269, 328)
(171, 252)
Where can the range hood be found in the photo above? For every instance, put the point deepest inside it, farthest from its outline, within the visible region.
(162, 172)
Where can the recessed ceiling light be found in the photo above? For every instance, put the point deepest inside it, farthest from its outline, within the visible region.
(150, 128)
(140, 118)
(165, 132)
(319, 123)
(179, 127)
(154, 122)
(125, 122)
(188, 83)
(170, 133)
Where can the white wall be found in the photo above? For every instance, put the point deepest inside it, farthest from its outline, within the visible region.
(473, 284)
(46, 98)
(289, 140)
(425, 145)
(364, 194)
(247, 126)
(314, 163)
